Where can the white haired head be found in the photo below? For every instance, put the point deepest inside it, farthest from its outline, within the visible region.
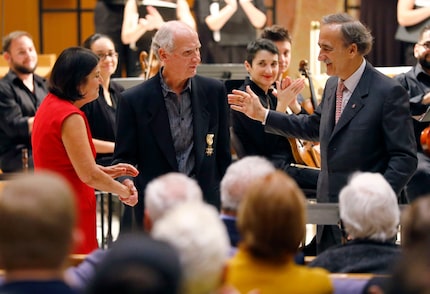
(200, 237)
(368, 207)
(168, 190)
(238, 176)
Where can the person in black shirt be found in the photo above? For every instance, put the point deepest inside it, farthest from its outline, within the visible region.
(417, 83)
(21, 92)
(101, 112)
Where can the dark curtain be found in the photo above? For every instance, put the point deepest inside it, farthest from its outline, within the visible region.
(380, 16)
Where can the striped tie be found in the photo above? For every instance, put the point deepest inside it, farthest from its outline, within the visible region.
(339, 96)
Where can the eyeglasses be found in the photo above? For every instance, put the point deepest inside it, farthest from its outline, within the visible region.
(425, 44)
(103, 56)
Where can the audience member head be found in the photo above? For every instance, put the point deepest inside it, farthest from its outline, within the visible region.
(412, 272)
(238, 176)
(343, 42)
(37, 222)
(262, 62)
(75, 75)
(368, 207)
(103, 46)
(421, 48)
(177, 46)
(167, 191)
(272, 218)
(282, 39)
(195, 230)
(138, 264)
(19, 52)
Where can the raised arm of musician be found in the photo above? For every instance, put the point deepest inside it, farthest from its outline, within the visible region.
(257, 17)
(183, 13)
(408, 15)
(216, 21)
(134, 27)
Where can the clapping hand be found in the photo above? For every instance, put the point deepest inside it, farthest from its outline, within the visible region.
(131, 199)
(286, 93)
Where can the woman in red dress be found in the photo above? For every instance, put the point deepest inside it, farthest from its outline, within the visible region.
(62, 142)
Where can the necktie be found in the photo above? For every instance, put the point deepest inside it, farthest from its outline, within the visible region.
(339, 96)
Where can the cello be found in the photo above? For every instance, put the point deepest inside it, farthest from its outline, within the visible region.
(306, 152)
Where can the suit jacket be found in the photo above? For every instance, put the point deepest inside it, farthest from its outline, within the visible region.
(374, 133)
(144, 138)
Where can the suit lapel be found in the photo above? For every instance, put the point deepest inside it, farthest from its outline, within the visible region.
(355, 103)
(200, 121)
(159, 120)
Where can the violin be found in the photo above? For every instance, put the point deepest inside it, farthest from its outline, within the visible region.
(149, 63)
(303, 68)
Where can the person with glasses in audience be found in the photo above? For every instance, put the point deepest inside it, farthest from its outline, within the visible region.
(417, 83)
(101, 112)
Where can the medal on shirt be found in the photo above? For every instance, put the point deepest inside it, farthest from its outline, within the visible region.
(209, 142)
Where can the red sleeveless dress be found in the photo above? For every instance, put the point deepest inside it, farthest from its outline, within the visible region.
(50, 154)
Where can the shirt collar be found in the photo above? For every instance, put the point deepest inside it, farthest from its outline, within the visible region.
(165, 88)
(352, 82)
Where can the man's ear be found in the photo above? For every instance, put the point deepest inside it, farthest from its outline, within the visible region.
(6, 56)
(162, 53)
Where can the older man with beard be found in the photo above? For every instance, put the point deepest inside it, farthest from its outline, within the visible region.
(417, 83)
(21, 92)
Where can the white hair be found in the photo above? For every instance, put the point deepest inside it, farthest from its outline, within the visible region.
(200, 237)
(239, 175)
(368, 207)
(168, 190)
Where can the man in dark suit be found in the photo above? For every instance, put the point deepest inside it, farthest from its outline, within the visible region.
(175, 121)
(374, 132)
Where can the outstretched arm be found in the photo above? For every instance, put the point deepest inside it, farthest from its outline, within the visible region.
(247, 103)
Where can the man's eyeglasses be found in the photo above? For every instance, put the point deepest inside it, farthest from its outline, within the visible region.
(425, 44)
(103, 56)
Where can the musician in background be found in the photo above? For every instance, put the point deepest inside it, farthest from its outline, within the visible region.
(262, 64)
(227, 26)
(282, 39)
(101, 113)
(143, 18)
(417, 83)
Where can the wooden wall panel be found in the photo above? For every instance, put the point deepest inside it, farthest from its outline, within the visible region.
(87, 25)
(88, 4)
(14, 17)
(55, 4)
(59, 31)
